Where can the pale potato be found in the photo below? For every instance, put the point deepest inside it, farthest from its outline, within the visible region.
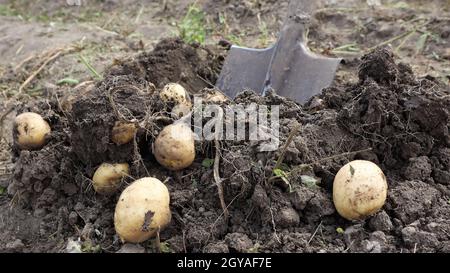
(31, 131)
(174, 92)
(359, 190)
(181, 110)
(216, 97)
(174, 147)
(142, 209)
(123, 132)
(108, 177)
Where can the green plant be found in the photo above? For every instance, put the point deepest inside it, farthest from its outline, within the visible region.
(208, 163)
(254, 249)
(279, 173)
(68, 81)
(192, 26)
(2, 190)
(91, 69)
(88, 247)
(164, 247)
(309, 181)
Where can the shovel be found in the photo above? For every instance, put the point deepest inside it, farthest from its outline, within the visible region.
(288, 67)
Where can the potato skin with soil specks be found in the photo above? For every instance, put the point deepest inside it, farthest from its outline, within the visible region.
(143, 207)
(31, 131)
(359, 190)
(107, 177)
(123, 132)
(174, 92)
(174, 147)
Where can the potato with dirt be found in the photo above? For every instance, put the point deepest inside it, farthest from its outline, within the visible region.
(31, 131)
(174, 148)
(177, 94)
(174, 92)
(142, 210)
(108, 177)
(123, 132)
(359, 190)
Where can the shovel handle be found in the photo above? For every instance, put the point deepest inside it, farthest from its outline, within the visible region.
(297, 7)
(297, 21)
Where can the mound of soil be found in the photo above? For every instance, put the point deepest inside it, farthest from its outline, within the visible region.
(389, 117)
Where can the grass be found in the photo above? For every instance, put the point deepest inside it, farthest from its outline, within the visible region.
(8, 10)
(91, 69)
(192, 27)
(24, 11)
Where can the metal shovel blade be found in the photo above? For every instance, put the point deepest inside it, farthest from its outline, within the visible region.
(288, 67)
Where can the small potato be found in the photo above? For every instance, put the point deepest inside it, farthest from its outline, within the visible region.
(181, 110)
(174, 92)
(174, 147)
(359, 190)
(123, 132)
(216, 97)
(142, 210)
(107, 177)
(31, 131)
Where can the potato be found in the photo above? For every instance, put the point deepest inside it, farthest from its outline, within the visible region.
(216, 97)
(108, 177)
(181, 110)
(174, 147)
(143, 207)
(123, 132)
(31, 131)
(359, 190)
(174, 92)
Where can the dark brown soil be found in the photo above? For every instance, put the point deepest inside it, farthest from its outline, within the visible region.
(395, 119)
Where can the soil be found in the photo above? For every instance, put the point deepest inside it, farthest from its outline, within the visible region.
(379, 109)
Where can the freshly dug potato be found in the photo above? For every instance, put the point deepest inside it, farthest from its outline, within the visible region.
(216, 97)
(107, 177)
(31, 131)
(181, 110)
(174, 92)
(174, 147)
(142, 209)
(359, 190)
(123, 132)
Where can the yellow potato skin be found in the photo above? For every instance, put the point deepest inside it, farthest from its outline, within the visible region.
(181, 110)
(216, 97)
(31, 131)
(123, 133)
(107, 177)
(174, 92)
(174, 147)
(143, 207)
(359, 190)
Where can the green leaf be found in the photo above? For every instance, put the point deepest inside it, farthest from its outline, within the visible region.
(309, 181)
(2, 190)
(192, 26)
(68, 81)
(340, 230)
(401, 5)
(165, 248)
(208, 163)
(279, 173)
